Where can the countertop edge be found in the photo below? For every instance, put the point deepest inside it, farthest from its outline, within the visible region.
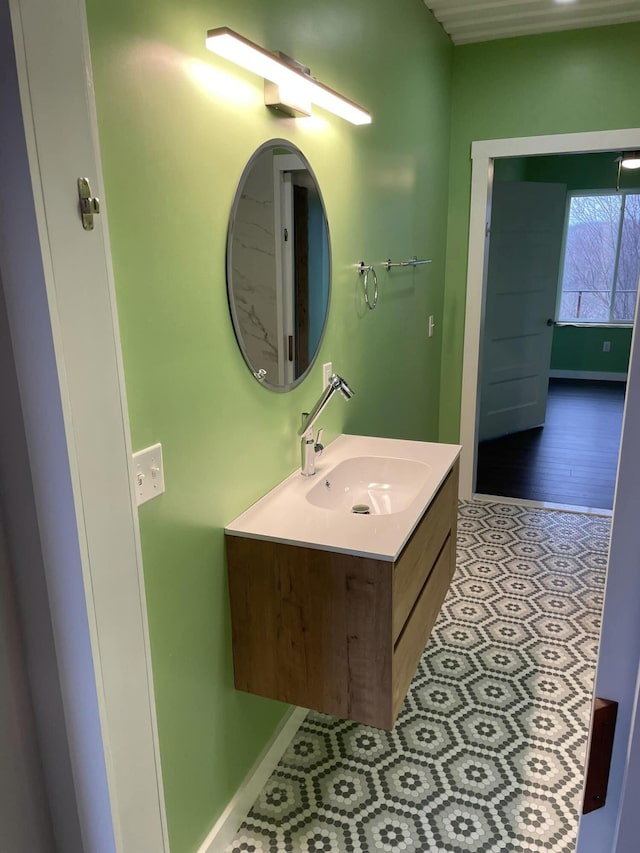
(302, 542)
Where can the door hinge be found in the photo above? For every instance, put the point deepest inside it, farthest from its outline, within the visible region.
(89, 204)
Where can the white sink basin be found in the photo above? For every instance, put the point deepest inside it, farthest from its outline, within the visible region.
(370, 485)
(394, 478)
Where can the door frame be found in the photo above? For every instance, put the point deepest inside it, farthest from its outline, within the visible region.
(283, 166)
(618, 667)
(60, 297)
(483, 153)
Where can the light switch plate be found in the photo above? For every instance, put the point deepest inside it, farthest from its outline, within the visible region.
(148, 473)
(327, 370)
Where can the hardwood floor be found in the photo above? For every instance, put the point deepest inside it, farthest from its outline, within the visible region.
(572, 459)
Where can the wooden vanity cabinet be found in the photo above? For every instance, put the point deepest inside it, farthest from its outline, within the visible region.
(339, 633)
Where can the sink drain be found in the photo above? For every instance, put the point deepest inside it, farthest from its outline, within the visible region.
(361, 509)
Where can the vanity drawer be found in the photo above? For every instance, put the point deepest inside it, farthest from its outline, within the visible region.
(338, 632)
(312, 628)
(419, 554)
(417, 629)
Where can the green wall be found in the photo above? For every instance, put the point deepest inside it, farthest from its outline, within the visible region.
(581, 80)
(580, 348)
(176, 127)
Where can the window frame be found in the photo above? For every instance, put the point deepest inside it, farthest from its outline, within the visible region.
(600, 324)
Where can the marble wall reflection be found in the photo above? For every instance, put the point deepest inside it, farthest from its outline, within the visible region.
(253, 260)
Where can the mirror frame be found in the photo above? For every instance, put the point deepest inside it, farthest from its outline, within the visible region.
(265, 146)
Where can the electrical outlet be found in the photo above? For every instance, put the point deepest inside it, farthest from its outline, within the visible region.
(327, 370)
(148, 472)
(606, 346)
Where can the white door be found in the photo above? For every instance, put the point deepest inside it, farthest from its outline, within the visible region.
(60, 305)
(25, 822)
(522, 280)
(616, 826)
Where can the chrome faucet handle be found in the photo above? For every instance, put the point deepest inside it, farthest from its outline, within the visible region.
(319, 447)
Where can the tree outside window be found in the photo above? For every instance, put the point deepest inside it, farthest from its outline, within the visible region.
(602, 258)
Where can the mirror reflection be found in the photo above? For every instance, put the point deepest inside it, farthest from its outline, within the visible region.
(278, 265)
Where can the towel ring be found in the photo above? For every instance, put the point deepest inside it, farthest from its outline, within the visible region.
(366, 271)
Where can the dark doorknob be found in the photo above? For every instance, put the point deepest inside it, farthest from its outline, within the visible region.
(551, 322)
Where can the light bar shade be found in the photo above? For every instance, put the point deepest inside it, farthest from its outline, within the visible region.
(228, 44)
(334, 103)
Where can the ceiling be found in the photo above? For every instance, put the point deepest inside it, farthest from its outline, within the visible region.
(483, 20)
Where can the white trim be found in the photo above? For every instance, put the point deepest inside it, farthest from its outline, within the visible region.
(144, 698)
(602, 375)
(480, 215)
(563, 257)
(483, 153)
(580, 324)
(240, 805)
(603, 191)
(561, 143)
(583, 510)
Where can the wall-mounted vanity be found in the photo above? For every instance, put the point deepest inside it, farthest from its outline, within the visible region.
(337, 577)
(331, 608)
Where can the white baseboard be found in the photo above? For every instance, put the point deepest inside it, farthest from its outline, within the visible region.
(603, 376)
(229, 821)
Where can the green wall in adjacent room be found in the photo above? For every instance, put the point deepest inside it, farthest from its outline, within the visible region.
(580, 80)
(509, 169)
(580, 348)
(581, 171)
(176, 127)
(596, 171)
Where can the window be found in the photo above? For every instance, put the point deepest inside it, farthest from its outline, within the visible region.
(601, 258)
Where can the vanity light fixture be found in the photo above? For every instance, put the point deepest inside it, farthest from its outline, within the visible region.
(630, 160)
(627, 160)
(288, 85)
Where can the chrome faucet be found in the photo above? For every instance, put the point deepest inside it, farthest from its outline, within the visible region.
(310, 446)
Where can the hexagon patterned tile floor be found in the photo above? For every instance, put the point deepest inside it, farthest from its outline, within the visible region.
(487, 753)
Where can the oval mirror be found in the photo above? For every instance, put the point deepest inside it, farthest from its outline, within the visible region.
(278, 265)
